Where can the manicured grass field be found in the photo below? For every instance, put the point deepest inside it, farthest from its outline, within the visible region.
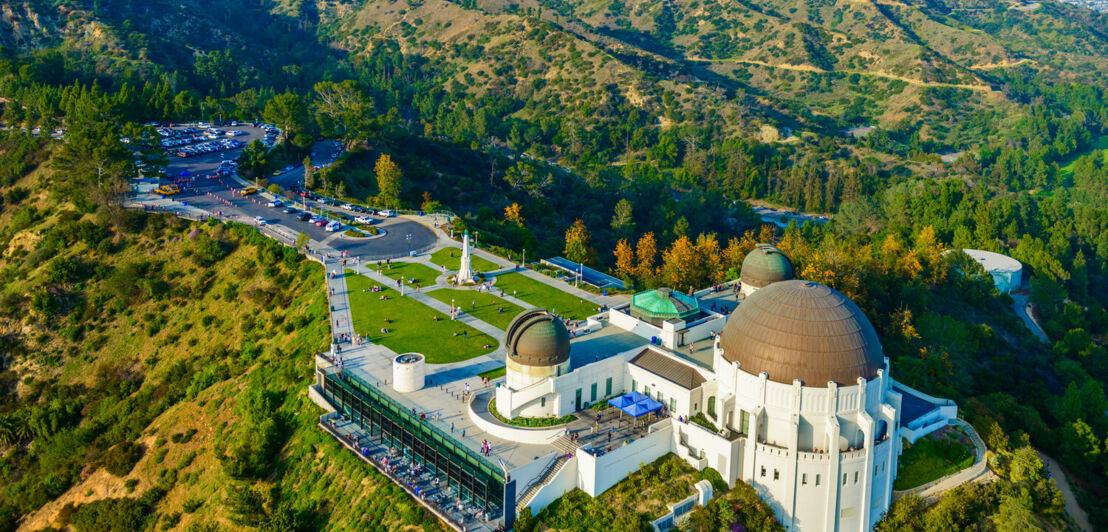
(545, 296)
(1100, 144)
(442, 258)
(486, 305)
(411, 325)
(931, 458)
(494, 373)
(422, 274)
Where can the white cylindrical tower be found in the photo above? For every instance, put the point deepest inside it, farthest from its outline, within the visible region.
(408, 372)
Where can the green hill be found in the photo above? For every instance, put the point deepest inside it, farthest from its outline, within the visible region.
(158, 369)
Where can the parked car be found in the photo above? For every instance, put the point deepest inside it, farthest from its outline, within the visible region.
(276, 203)
(348, 206)
(387, 213)
(259, 220)
(303, 217)
(321, 222)
(364, 220)
(333, 226)
(289, 209)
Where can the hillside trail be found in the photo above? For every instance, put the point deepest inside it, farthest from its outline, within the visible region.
(875, 73)
(1072, 508)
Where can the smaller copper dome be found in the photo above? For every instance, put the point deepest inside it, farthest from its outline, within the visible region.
(537, 338)
(765, 264)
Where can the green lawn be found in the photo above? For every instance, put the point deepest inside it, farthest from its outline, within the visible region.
(931, 458)
(486, 305)
(1100, 144)
(545, 296)
(411, 327)
(442, 258)
(422, 274)
(494, 373)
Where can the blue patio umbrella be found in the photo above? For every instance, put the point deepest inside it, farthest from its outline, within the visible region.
(636, 397)
(621, 401)
(650, 405)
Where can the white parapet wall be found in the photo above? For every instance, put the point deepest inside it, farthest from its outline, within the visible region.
(598, 473)
(564, 481)
(489, 424)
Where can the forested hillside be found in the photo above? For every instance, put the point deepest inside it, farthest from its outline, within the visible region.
(556, 127)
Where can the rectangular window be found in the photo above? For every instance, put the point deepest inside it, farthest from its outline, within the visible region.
(855, 477)
(776, 475)
(592, 393)
(660, 398)
(672, 404)
(817, 480)
(542, 402)
(745, 422)
(763, 471)
(804, 479)
(844, 479)
(608, 387)
(634, 385)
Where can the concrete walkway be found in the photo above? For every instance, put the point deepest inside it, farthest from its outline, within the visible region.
(1073, 509)
(1022, 308)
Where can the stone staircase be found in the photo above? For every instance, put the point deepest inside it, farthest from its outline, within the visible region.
(564, 447)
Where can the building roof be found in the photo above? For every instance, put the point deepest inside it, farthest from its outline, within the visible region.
(802, 330)
(765, 264)
(668, 369)
(537, 338)
(663, 304)
(994, 262)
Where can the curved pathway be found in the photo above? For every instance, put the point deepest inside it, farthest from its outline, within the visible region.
(978, 472)
(1073, 509)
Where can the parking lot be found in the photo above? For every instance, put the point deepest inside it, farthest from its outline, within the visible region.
(222, 196)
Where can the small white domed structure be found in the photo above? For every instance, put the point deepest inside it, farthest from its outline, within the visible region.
(409, 372)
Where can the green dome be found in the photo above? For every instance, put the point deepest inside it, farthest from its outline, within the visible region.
(764, 265)
(662, 304)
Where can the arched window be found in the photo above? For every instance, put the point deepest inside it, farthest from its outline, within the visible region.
(712, 406)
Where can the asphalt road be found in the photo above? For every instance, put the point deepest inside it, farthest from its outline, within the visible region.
(215, 196)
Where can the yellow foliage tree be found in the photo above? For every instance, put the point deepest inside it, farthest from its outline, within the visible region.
(514, 213)
(646, 253)
(577, 243)
(679, 264)
(625, 259)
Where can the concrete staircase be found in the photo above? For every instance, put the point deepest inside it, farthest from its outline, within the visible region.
(543, 479)
(565, 445)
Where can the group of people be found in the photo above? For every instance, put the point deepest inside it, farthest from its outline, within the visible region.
(486, 447)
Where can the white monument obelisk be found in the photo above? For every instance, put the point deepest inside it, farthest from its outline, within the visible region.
(465, 272)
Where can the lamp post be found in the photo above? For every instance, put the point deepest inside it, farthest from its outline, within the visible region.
(409, 239)
(524, 258)
(451, 309)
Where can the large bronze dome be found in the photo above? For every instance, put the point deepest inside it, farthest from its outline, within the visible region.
(802, 330)
(536, 338)
(765, 264)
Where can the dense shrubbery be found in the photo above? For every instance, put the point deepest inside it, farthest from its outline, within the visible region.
(119, 460)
